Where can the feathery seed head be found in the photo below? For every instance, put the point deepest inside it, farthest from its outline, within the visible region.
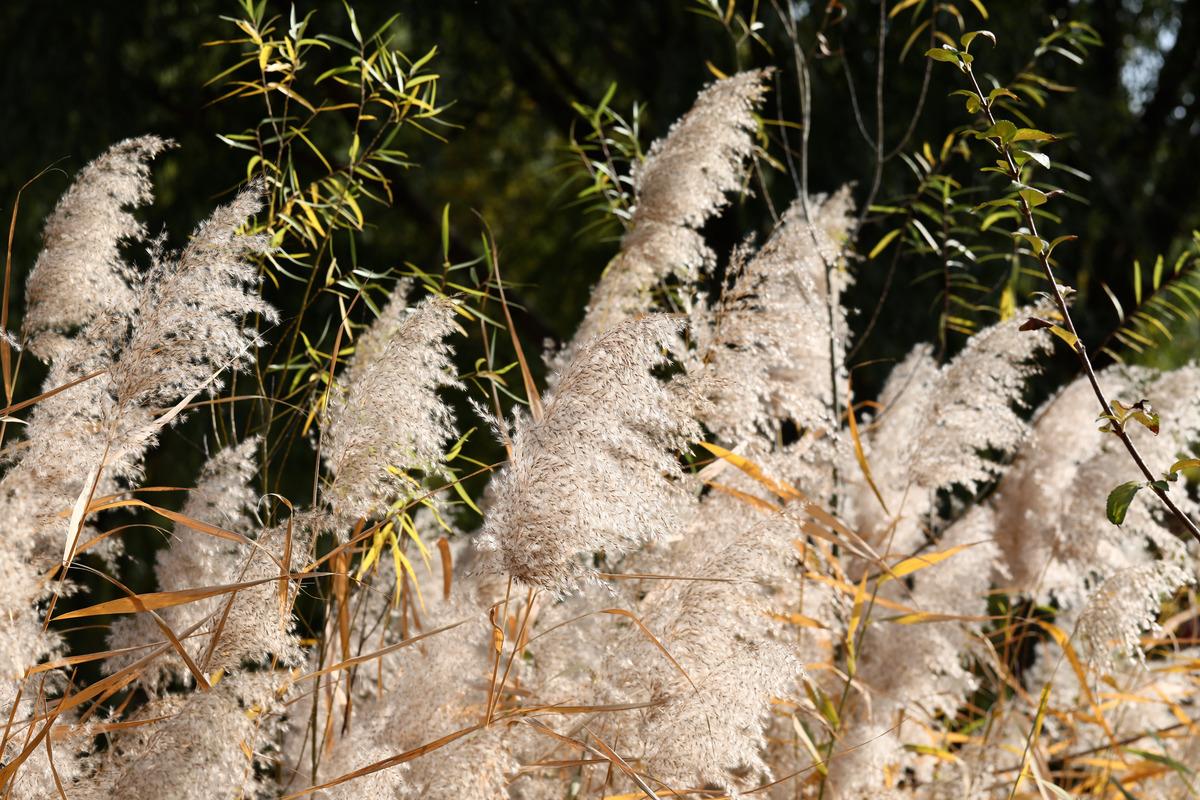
(80, 273)
(599, 472)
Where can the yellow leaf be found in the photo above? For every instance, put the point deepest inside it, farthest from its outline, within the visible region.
(754, 471)
(883, 243)
(374, 551)
(1185, 463)
(152, 601)
(1008, 303)
(350, 201)
(799, 619)
(312, 218)
(862, 457)
(802, 734)
(411, 530)
(745, 497)
(400, 561)
(937, 752)
(292, 94)
(918, 617)
(860, 595)
(915, 563)
(903, 4)
(1064, 334)
(712, 68)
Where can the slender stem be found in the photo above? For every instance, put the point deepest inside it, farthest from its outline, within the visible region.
(1118, 427)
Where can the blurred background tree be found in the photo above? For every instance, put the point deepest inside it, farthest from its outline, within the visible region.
(76, 82)
(516, 73)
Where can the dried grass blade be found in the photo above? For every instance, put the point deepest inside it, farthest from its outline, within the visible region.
(156, 600)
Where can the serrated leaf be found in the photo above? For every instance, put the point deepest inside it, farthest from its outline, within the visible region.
(1119, 500)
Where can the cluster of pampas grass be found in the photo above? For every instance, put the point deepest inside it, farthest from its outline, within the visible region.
(698, 574)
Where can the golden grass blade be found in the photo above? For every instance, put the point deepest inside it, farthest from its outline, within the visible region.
(601, 749)
(531, 391)
(745, 497)
(916, 563)
(362, 659)
(156, 600)
(860, 455)
(386, 763)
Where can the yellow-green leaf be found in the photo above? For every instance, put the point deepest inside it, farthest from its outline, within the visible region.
(883, 243)
(915, 563)
(1185, 463)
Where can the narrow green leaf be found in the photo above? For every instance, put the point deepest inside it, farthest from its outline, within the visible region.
(1060, 240)
(1161, 759)
(353, 23)
(883, 243)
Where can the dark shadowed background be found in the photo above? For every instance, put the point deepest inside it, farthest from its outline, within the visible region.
(77, 77)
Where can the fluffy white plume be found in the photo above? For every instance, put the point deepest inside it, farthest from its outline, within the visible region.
(187, 325)
(195, 559)
(435, 688)
(683, 181)
(1121, 608)
(766, 348)
(599, 473)
(942, 426)
(386, 416)
(1057, 541)
(82, 243)
(193, 746)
